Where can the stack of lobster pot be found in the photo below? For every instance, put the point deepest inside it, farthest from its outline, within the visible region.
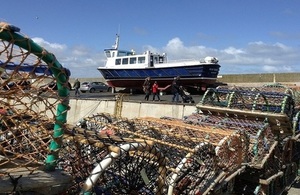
(268, 116)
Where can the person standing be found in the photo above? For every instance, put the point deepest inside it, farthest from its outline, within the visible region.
(175, 89)
(76, 87)
(155, 91)
(147, 88)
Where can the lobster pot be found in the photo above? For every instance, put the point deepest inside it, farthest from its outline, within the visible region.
(265, 187)
(32, 86)
(289, 150)
(296, 123)
(279, 169)
(192, 156)
(261, 138)
(27, 109)
(230, 97)
(275, 87)
(271, 182)
(105, 163)
(215, 97)
(252, 184)
(24, 137)
(96, 122)
(251, 99)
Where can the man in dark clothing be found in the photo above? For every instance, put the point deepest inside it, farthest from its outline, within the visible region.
(175, 89)
(147, 88)
(76, 87)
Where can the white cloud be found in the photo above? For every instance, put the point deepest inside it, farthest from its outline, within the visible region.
(50, 46)
(233, 51)
(177, 50)
(276, 57)
(270, 69)
(79, 52)
(175, 44)
(82, 61)
(256, 57)
(263, 48)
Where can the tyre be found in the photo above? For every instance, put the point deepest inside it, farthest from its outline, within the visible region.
(92, 90)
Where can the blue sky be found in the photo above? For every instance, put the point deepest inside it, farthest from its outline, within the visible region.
(250, 36)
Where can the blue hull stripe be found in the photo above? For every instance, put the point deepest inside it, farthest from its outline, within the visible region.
(208, 71)
(41, 69)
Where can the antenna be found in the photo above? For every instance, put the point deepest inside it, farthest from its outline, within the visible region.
(116, 45)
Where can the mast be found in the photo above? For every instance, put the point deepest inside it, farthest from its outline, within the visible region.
(116, 45)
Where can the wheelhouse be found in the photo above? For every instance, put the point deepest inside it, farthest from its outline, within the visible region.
(129, 58)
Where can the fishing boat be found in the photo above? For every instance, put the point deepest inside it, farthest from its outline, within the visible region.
(126, 69)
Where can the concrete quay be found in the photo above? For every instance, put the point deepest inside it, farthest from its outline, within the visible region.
(133, 106)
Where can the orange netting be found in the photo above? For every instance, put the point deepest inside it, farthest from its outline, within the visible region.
(240, 141)
(32, 86)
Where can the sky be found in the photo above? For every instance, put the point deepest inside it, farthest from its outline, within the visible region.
(247, 36)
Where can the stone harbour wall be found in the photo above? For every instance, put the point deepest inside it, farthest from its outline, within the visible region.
(285, 78)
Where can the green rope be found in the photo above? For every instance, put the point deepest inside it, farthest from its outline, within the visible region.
(231, 97)
(296, 123)
(254, 106)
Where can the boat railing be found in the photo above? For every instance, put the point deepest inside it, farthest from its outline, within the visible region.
(201, 60)
(181, 60)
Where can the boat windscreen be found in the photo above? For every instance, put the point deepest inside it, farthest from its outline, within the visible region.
(107, 53)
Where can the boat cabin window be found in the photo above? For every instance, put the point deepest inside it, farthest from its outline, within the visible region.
(132, 60)
(122, 53)
(161, 59)
(141, 60)
(125, 53)
(118, 61)
(125, 61)
(107, 53)
(151, 61)
(155, 60)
